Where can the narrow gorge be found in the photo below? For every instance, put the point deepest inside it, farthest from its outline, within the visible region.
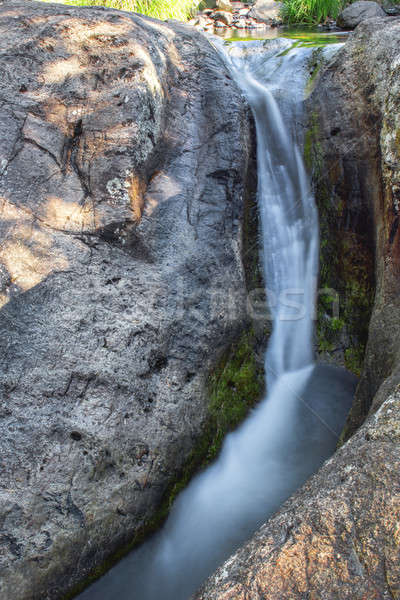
(155, 186)
(296, 427)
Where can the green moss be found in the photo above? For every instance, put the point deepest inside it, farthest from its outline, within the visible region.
(314, 67)
(398, 141)
(235, 385)
(312, 147)
(346, 262)
(312, 79)
(354, 358)
(234, 388)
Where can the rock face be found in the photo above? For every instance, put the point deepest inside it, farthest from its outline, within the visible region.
(353, 14)
(223, 5)
(390, 8)
(356, 123)
(223, 17)
(338, 537)
(266, 11)
(123, 154)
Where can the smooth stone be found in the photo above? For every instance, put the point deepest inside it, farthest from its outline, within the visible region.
(354, 14)
(266, 10)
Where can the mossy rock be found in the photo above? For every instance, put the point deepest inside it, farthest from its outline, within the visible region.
(346, 262)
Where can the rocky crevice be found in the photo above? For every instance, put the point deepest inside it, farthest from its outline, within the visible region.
(337, 537)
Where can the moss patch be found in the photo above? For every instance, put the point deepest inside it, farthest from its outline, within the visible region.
(235, 385)
(312, 147)
(314, 67)
(346, 261)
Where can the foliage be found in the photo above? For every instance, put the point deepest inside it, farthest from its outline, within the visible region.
(159, 9)
(235, 387)
(310, 12)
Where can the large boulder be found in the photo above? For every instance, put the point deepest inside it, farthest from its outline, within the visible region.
(123, 156)
(224, 5)
(353, 14)
(223, 17)
(338, 537)
(266, 11)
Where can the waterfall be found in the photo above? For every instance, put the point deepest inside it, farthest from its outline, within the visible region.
(274, 87)
(295, 428)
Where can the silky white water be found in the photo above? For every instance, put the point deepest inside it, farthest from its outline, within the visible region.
(274, 87)
(295, 428)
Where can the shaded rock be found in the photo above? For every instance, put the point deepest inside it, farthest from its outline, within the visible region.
(356, 122)
(208, 4)
(123, 154)
(390, 8)
(266, 11)
(201, 21)
(353, 14)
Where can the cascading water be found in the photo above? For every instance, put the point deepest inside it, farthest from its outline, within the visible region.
(274, 87)
(290, 434)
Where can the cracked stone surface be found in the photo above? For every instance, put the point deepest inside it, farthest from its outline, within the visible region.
(123, 155)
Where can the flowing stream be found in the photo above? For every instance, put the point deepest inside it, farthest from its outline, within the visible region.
(295, 428)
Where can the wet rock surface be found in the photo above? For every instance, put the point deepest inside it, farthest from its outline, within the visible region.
(338, 536)
(123, 152)
(357, 119)
(390, 8)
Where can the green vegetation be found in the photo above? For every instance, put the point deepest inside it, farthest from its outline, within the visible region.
(312, 146)
(234, 387)
(159, 9)
(311, 12)
(308, 40)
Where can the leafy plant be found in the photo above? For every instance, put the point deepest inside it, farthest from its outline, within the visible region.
(159, 9)
(310, 12)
